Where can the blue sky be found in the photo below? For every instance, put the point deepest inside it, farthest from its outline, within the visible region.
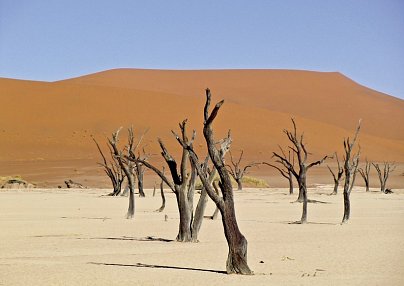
(52, 40)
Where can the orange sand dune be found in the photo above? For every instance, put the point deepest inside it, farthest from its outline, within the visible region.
(53, 122)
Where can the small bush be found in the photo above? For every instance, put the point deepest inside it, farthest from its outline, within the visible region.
(249, 182)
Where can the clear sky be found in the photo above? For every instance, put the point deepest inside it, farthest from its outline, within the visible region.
(51, 39)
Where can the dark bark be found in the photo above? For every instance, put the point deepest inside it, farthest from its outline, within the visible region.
(112, 170)
(286, 173)
(163, 197)
(186, 210)
(216, 211)
(290, 180)
(238, 172)
(239, 185)
(299, 150)
(154, 189)
(383, 176)
(303, 191)
(347, 207)
(237, 256)
(337, 176)
(365, 172)
(139, 174)
(182, 184)
(199, 214)
(125, 165)
(351, 162)
(300, 197)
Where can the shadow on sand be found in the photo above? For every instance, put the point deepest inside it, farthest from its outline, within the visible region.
(142, 265)
(147, 238)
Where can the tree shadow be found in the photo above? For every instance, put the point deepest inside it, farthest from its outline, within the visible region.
(147, 238)
(317, 202)
(83, 217)
(142, 265)
(299, 222)
(311, 202)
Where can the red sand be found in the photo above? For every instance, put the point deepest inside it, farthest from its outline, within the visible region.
(47, 124)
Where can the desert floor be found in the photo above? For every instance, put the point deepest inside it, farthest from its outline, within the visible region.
(81, 237)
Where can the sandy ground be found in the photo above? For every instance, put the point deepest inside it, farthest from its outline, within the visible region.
(76, 237)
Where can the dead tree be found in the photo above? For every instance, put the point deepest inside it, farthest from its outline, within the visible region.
(126, 165)
(300, 151)
(112, 170)
(203, 199)
(365, 172)
(182, 184)
(237, 243)
(383, 176)
(140, 171)
(351, 162)
(285, 172)
(163, 197)
(337, 176)
(238, 172)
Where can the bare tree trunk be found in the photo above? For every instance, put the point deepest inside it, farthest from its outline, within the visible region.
(303, 191)
(237, 256)
(237, 172)
(127, 167)
(239, 185)
(383, 176)
(163, 197)
(199, 214)
(367, 186)
(139, 174)
(131, 184)
(290, 179)
(347, 207)
(300, 198)
(364, 172)
(182, 185)
(203, 199)
(288, 174)
(300, 152)
(112, 170)
(350, 168)
(215, 213)
(185, 211)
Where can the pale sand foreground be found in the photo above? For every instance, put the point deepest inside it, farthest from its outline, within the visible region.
(60, 237)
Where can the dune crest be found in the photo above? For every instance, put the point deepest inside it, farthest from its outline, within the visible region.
(54, 121)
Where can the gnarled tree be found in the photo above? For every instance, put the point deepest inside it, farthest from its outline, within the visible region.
(126, 165)
(163, 197)
(286, 173)
(182, 183)
(237, 171)
(112, 170)
(351, 162)
(237, 243)
(139, 171)
(211, 173)
(365, 172)
(300, 151)
(384, 175)
(337, 176)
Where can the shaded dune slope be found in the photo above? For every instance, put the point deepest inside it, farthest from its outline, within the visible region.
(55, 121)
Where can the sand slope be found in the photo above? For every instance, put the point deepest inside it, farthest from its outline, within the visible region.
(54, 122)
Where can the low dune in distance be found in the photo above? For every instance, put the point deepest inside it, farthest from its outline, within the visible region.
(46, 124)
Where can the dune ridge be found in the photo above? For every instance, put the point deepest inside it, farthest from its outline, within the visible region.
(54, 121)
